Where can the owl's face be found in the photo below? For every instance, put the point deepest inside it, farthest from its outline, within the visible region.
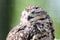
(32, 12)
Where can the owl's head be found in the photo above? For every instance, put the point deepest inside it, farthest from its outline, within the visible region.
(32, 13)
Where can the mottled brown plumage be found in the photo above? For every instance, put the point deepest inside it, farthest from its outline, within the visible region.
(35, 25)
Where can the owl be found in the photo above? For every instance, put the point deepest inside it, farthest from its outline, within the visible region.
(35, 24)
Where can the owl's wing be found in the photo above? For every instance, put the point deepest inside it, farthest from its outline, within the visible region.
(49, 28)
(17, 33)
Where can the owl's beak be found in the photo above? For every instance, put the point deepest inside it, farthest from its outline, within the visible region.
(30, 17)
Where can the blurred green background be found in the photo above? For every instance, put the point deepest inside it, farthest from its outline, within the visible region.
(10, 11)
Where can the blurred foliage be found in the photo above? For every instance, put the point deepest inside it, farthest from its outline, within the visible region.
(10, 11)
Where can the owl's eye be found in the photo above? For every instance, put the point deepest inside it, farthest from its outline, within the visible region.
(30, 17)
(35, 12)
(37, 7)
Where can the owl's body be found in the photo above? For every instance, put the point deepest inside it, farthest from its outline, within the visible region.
(35, 25)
